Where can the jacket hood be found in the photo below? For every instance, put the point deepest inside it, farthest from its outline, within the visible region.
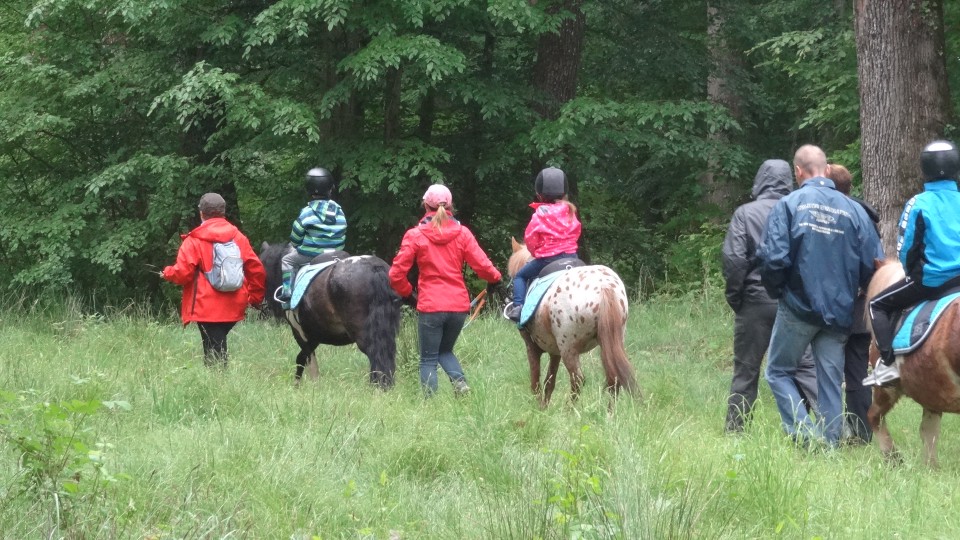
(774, 180)
(447, 233)
(215, 230)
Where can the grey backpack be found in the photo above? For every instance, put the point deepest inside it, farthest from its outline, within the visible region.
(226, 275)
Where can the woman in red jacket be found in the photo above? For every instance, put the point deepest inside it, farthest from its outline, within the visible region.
(214, 311)
(439, 246)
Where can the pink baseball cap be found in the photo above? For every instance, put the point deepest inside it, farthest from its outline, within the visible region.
(436, 195)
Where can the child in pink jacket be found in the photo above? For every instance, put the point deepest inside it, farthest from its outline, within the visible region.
(552, 233)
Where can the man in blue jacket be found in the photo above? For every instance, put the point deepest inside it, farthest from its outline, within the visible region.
(818, 250)
(929, 250)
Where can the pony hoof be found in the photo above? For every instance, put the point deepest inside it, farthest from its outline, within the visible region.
(893, 457)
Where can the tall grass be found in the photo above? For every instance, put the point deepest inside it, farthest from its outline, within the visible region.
(242, 453)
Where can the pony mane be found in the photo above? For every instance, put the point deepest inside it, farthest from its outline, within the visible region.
(521, 255)
(889, 271)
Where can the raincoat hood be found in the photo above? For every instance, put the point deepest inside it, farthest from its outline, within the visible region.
(774, 180)
(215, 229)
(448, 232)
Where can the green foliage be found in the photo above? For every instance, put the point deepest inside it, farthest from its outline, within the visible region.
(822, 64)
(694, 260)
(575, 505)
(117, 116)
(58, 460)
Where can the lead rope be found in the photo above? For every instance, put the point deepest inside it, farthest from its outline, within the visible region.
(476, 305)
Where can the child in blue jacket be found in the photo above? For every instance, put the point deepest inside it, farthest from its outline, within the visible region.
(321, 227)
(929, 250)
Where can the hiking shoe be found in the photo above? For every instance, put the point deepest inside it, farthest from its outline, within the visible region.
(882, 375)
(512, 311)
(460, 388)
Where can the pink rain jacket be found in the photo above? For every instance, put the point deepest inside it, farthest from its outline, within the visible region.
(552, 230)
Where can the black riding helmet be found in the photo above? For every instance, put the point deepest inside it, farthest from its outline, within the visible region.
(940, 160)
(319, 183)
(551, 185)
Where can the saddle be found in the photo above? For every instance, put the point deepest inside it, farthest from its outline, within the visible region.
(329, 256)
(561, 264)
(538, 287)
(917, 323)
(307, 273)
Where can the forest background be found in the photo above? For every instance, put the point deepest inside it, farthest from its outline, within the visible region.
(115, 116)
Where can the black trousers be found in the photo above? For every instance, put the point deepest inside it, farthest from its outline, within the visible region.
(753, 325)
(213, 335)
(858, 396)
(885, 309)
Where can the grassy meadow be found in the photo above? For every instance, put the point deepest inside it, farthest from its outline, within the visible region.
(115, 429)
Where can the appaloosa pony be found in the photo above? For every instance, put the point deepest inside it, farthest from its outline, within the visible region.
(583, 308)
(930, 375)
(349, 302)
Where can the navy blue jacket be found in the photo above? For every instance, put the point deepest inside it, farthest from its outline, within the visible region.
(818, 250)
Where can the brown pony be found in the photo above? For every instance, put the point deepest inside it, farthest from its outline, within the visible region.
(930, 375)
(585, 307)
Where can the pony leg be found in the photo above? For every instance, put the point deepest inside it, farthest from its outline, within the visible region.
(312, 368)
(551, 379)
(571, 360)
(533, 358)
(307, 359)
(930, 432)
(883, 400)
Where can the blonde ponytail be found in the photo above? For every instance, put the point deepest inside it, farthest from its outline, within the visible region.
(440, 217)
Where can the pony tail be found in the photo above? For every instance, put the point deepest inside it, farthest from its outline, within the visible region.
(613, 355)
(440, 217)
(572, 208)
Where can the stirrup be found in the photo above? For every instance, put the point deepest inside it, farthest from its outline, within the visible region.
(882, 374)
(509, 309)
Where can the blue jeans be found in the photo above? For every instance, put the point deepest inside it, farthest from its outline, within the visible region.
(790, 337)
(530, 271)
(438, 333)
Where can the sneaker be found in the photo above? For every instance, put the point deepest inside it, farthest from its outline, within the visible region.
(460, 388)
(512, 311)
(882, 375)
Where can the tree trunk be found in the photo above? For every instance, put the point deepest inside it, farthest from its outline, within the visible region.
(904, 99)
(717, 191)
(555, 75)
(470, 193)
(391, 104)
(558, 60)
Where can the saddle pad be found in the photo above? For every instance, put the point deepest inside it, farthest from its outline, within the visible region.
(918, 323)
(304, 277)
(535, 293)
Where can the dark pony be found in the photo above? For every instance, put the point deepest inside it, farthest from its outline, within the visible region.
(930, 375)
(586, 307)
(350, 302)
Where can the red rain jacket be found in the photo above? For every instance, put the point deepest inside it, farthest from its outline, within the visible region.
(201, 302)
(440, 256)
(553, 229)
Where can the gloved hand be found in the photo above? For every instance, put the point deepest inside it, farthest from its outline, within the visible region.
(494, 288)
(411, 300)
